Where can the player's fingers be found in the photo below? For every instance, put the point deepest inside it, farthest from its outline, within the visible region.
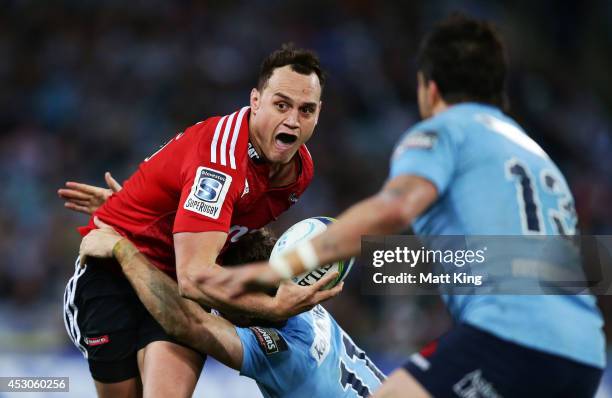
(80, 209)
(83, 187)
(111, 182)
(79, 202)
(321, 283)
(327, 294)
(72, 194)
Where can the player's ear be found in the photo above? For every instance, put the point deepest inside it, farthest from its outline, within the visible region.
(255, 100)
(433, 93)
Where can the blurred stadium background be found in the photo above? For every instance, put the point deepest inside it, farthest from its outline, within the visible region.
(88, 86)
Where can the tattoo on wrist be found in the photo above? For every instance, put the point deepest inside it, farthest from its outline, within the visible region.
(124, 250)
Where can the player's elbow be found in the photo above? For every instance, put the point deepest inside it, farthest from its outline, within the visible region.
(189, 279)
(174, 322)
(181, 331)
(393, 216)
(194, 333)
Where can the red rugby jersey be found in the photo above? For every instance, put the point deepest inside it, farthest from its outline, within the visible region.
(208, 178)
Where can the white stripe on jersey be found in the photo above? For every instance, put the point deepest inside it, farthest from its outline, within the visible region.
(225, 137)
(213, 145)
(235, 137)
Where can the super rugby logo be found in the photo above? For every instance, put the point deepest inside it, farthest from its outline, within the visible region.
(208, 192)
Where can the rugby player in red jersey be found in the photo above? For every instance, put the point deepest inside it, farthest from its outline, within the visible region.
(203, 189)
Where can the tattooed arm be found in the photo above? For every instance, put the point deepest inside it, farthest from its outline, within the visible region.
(181, 318)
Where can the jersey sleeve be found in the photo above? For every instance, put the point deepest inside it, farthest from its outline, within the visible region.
(427, 152)
(209, 188)
(269, 357)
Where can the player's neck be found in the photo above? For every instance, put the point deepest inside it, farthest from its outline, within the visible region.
(439, 107)
(284, 174)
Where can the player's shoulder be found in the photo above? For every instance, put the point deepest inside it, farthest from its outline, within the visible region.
(423, 135)
(222, 140)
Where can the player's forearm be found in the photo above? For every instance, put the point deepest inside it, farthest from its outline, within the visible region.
(387, 212)
(255, 305)
(158, 292)
(181, 318)
(376, 215)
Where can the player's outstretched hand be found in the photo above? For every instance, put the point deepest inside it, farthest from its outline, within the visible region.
(99, 242)
(86, 198)
(292, 299)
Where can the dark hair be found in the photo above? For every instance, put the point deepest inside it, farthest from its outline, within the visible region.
(466, 59)
(252, 247)
(302, 61)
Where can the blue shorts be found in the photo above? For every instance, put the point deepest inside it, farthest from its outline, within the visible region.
(469, 362)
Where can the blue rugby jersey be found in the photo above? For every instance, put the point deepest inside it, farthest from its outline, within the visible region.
(493, 179)
(311, 356)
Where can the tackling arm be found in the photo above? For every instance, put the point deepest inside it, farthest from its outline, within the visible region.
(181, 318)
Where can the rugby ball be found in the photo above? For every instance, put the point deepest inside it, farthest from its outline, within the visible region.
(306, 230)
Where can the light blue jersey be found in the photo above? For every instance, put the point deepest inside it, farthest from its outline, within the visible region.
(492, 179)
(311, 356)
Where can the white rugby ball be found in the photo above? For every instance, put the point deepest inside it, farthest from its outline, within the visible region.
(306, 230)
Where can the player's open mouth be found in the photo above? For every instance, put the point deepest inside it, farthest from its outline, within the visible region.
(285, 140)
